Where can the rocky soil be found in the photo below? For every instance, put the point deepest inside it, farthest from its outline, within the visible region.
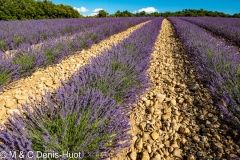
(50, 78)
(177, 118)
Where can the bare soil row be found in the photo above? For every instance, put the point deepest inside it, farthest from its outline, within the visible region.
(177, 118)
(50, 78)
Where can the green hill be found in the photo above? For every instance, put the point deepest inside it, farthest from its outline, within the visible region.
(31, 9)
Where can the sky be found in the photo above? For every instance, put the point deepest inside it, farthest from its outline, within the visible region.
(91, 7)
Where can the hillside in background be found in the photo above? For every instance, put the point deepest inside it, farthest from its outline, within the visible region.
(44, 9)
(183, 13)
(31, 9)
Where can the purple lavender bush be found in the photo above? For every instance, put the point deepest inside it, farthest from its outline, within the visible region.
(27, 59)
(89, 113)
(90, 123)
(225, 27)
(217, 63)
(13, 34)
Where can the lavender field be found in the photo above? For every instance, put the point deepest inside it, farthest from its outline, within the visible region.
(136, 88)
(25, 57)
(228, 28)
(218, 64)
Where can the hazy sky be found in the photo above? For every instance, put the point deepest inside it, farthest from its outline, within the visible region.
(91, 7)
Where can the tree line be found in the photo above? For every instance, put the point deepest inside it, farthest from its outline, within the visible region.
(31, 9)
(44, 9)
(183, 13)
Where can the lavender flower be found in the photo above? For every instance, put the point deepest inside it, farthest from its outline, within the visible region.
(89, 114)
(216, 63)
(225, 27)
(25, 60)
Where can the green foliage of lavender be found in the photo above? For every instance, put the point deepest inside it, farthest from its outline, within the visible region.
(25, 60)
(3, 45)
(4, 77)
(51, 54)
(89, 114)
(217, 64)
(89, 123)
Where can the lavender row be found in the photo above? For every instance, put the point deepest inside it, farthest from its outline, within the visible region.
(226, 27)
(14, 34)
(89, 114)
(25, 61)
(217, 63)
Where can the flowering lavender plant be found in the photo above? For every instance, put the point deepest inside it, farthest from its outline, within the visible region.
(217, 63)
(225, 27)
(13, 34)
(27, 59)
(89, 123)
(89, 113)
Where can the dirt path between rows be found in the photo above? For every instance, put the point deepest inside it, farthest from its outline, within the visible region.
(177, 118)
(50, 78)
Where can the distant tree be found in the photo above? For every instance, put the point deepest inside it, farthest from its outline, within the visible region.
(141, 14)
(43, 9)
(237, 15)
(194, 13)
(117, 14)
(31, 9)
(154, 14)
(125, 13)
(102, 13)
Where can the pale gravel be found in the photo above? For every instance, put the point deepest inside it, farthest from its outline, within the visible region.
(49, 78)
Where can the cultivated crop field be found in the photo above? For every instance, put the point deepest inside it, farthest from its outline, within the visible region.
(120, 88)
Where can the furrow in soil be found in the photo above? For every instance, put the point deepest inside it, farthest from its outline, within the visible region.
(177, 118)
(50, 78)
